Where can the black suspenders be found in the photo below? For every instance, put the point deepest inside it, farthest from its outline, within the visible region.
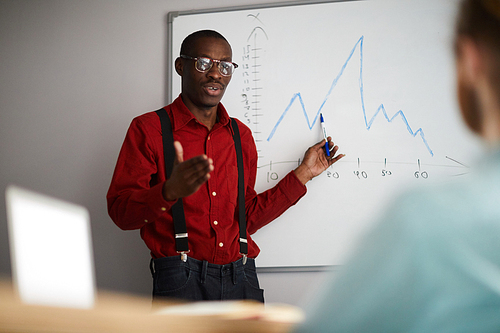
(180, 230)
(181, 236)
(241, 191)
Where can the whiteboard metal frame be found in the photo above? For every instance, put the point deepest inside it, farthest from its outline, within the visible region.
(170, 69)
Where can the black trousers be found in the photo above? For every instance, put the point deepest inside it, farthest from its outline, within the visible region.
(196, 280)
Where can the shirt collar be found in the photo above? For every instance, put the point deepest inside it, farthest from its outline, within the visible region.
(182, 116)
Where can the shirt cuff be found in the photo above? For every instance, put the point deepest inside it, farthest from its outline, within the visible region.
(156, 200)
(292, 187)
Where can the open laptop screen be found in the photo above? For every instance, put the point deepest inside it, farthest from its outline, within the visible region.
(51, 250)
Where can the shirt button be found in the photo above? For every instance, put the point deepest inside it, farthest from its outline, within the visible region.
(163, 209)
(146, 221)
(221, 244)
(214, 194)
(215, 222)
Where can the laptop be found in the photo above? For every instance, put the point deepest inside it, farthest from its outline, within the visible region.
(51, 250)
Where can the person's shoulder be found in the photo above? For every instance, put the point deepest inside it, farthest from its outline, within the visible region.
(244, 129)
(247, 139)
(148, 119)
(456, 204)
(146, 125)
(435, 197)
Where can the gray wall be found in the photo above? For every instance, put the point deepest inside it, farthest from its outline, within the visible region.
(73, 74)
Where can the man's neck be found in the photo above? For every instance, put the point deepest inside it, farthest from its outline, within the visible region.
(207, 117)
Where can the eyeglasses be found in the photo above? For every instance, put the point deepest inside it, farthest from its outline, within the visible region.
(203, 64)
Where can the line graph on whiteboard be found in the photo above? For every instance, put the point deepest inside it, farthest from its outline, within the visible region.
(368, 123)
(269, 169)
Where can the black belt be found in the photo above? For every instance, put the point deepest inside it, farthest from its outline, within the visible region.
(180, 229)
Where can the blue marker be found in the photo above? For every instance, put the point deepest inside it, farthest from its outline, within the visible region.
(327, 148)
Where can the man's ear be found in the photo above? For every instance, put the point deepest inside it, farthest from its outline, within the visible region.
(471, 59)
(179, 66)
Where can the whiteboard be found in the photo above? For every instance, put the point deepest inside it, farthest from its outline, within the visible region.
(382, 74)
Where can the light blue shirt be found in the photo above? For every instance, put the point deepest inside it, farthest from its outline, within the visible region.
(432, 264)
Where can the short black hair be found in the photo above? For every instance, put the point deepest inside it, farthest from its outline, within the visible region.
(480, 20)
(188, 43)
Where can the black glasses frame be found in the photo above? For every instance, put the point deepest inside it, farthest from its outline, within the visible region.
(212, 61)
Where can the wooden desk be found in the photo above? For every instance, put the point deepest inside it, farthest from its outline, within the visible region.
(115, 312)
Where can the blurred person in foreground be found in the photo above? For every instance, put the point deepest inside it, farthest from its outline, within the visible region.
(433, 263)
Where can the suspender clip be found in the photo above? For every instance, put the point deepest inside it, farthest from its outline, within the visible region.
(180, 245)
(184, 256)
(244, 249)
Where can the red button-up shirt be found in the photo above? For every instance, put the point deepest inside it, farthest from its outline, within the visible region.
(135, 199)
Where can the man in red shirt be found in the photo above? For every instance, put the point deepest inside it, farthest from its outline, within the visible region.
(205, 177)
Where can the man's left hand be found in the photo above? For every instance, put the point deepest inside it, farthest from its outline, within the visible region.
(316, 161)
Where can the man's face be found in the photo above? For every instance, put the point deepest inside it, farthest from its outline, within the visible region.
(204, 90)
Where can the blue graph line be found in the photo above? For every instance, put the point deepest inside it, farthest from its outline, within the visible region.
(368, 123)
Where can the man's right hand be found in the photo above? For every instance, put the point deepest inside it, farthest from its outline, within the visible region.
(187, 176)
